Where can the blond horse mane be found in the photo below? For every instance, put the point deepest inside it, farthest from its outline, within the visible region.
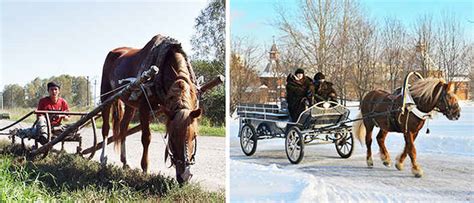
(424, 88)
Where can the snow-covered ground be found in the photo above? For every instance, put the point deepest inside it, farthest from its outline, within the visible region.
(446, 156)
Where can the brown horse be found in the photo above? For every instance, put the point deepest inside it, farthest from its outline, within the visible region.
(172, 91)
(428, 95)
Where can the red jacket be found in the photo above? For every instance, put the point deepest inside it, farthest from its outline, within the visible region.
(47, 104)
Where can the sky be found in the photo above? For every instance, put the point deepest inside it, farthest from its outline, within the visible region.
(44, 39)
(255, 19)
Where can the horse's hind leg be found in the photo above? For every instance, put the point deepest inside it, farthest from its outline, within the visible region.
(105, 133)
(127, 117)
(146, 136)
(384, 155)
(368, 141)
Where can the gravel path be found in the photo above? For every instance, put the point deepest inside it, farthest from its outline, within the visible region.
(209, 170)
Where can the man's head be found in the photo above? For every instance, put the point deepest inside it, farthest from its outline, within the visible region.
(53, 89)
(299, 73)
(319, 77)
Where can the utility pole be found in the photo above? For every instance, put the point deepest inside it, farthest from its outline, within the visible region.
(87, 102)
(95, 91)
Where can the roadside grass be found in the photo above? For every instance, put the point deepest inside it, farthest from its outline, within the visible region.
(67, 177)
(205, 127)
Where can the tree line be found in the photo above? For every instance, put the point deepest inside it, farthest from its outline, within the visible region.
(355, 52)
(74, 89)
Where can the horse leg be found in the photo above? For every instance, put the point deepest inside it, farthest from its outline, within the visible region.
(401, 157)
(384, 155)
(146, 136)
(105, 134)
(409, 142)
(127, 117)
(368, 142)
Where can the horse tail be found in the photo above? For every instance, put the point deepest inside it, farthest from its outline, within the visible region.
(359, 129)
(117, 116)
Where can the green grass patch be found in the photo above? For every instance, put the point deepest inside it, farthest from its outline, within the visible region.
(205, 126)
(67, 177)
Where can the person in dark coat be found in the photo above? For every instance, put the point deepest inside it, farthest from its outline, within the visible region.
(299, 93)
(323, 90)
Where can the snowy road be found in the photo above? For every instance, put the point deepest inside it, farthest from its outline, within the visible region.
(446, 156)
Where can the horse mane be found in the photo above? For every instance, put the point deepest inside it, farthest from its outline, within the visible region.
(424, 88)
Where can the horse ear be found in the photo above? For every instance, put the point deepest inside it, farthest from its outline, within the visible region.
(196, 113)
(450, 87)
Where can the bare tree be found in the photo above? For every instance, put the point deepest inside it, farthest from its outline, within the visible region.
(424, 42)
(364, 40)
(393, 40)
(244, 58)
(312, 31)
(453, 50)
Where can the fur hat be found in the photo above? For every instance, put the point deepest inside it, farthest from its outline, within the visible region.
(298, 71)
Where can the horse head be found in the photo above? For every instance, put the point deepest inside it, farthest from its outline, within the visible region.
(182, 110)
(448, 103)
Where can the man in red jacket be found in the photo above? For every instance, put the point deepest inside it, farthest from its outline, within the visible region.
(50, 103)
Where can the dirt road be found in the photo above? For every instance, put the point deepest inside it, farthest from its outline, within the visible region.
(209, 170)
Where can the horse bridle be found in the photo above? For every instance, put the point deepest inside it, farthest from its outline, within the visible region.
(187, 161)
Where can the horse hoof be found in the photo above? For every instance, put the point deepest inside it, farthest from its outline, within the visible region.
(370, 163)
(103, 161)
(387, 163)
(418, 173)
(399, 166)
(125, 166)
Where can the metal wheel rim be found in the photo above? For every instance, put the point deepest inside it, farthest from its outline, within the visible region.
(346, 147)
(294, 149)
(246, 139)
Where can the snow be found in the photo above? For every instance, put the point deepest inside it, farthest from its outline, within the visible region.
(446, 156)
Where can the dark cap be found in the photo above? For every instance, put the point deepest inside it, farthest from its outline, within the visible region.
(299, 70)
(53, 84)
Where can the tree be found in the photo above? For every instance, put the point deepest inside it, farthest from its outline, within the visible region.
(393, 40)
(209, 40)
(453, 50)
(365, 54)
(212, 102)
(244, 58)
(13, 96)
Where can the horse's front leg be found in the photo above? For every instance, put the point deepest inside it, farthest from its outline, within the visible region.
(410, 144)
(146, 136)
(384, 155)
(105, 134)
(401, 157)
(127, 117)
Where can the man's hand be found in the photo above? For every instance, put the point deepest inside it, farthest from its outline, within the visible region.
(65, 117)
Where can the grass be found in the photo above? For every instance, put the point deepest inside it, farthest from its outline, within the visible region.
(205, 127)
(66, 177)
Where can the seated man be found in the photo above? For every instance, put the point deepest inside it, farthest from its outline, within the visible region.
(323, 90)
(299, 91)
(50, 103)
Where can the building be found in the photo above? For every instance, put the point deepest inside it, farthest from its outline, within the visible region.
(272, 79)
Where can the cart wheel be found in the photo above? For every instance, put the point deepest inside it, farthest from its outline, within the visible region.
(248, 139)
(344, 144)
(294, 145)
